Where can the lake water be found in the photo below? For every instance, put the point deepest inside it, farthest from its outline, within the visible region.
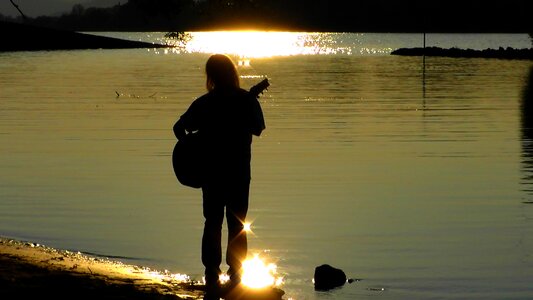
(417, 179)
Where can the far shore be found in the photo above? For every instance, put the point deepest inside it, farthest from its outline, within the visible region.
(22, 37)
(501, 53)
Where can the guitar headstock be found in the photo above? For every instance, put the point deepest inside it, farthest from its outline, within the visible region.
(259, 88)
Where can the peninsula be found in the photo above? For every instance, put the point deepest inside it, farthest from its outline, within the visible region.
(23, 37)
(502, 53)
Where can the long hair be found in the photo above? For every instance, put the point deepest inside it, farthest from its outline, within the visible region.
(221, 72)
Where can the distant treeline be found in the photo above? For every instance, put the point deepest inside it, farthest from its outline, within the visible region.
(305, 15)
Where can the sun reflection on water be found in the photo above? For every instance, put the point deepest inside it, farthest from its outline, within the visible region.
(257, 274)
(248, 45)
(259, 44)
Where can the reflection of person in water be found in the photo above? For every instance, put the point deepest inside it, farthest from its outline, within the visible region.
(527, 106)
(226, 117)
(527, 134)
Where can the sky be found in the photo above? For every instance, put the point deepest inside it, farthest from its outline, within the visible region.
(35, 8)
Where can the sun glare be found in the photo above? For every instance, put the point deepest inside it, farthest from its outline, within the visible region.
(247, 227)
(258, 44)
(257, 274)
(251, 44)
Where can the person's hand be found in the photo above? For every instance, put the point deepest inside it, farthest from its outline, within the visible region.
(179, 131)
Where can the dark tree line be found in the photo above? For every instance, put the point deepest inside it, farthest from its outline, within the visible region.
(305, 15)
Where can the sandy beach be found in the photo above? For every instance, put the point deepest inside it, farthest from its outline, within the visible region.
(32, 270)
(29, 270)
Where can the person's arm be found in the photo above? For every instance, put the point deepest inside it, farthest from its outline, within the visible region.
(179, 129)
(258, 120)
(187, 122)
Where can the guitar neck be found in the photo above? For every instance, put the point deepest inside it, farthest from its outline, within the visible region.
(259, 88)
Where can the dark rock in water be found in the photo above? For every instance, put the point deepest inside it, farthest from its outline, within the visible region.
(327, 277)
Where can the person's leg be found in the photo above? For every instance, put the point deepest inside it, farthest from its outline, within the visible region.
(236, 211)
(213, 210)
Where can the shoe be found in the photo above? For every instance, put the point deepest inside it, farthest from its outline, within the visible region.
(232, 283)
(212, 291)
(211, 296)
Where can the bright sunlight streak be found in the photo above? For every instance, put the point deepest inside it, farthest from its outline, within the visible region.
(256, 44)
(247, 227)
(257, 274)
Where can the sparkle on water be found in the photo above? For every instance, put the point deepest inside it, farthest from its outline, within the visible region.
(260, 44)
(258, 274)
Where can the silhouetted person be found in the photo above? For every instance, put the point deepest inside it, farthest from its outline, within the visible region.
(226, 117)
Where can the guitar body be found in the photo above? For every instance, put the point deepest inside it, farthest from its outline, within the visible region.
(187, 161)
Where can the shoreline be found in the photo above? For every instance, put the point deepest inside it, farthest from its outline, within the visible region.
(32, 270)
(29, 270)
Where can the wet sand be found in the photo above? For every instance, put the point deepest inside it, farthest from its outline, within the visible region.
(29, 270)
(32, 270)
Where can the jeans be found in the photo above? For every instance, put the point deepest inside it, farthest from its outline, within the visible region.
(233, 196)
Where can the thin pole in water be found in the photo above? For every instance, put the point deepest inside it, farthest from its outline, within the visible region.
(424, 72)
